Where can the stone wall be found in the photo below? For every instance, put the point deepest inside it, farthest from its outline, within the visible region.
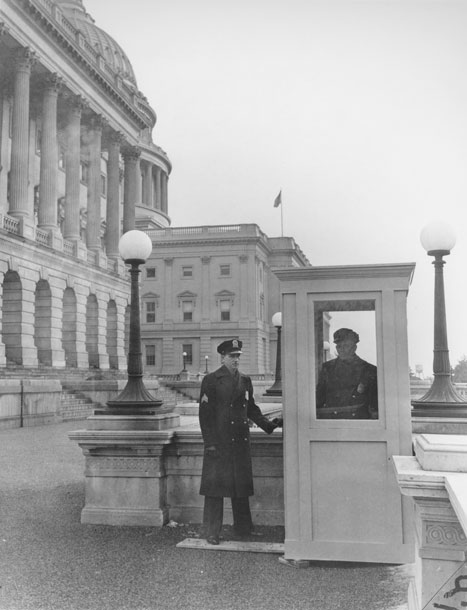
(183, 471)
(29, 402)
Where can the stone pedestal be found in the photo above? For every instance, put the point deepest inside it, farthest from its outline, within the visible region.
(436, 479)
(125, 474)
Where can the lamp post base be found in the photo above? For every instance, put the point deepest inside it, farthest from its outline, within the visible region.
(423, 408)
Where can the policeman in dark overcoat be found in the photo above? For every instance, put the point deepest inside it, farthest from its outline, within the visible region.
(226, 404)
(347, 385)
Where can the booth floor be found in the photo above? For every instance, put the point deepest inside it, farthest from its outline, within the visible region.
(50, 561)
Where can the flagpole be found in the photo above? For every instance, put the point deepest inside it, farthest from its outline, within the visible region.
(282, 219)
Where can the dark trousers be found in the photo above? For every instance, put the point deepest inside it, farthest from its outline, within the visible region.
(214, 512)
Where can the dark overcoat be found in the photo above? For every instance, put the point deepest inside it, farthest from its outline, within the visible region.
(225, 406)
(347, 389)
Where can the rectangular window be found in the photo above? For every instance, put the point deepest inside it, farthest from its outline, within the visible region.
(187, 308)
(150, 355)
(187, 271)
(225, 270)
(187, 349)
(150, 311)
(225, 310)
(151, 272)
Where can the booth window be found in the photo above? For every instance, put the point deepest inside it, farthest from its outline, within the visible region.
(345, 353)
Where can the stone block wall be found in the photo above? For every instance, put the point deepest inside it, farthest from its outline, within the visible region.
(29, 402)
(184, 460)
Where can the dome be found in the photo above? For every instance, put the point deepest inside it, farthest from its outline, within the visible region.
(76, 14)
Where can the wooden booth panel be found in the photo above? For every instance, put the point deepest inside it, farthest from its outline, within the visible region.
(342, 500)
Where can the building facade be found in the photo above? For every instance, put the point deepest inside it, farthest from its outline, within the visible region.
(204, 284)
(77, 165)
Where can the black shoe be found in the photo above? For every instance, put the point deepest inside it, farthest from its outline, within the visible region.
(212, 540)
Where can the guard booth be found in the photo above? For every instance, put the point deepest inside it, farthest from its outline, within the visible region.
(342, 500)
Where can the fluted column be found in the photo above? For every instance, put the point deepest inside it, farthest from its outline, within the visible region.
(164, 194)
(148, 185)
(113, 196)
(158, 196)
(20, 136)
(47, 216)
(130, 188)
(72, 170)
(93, 225)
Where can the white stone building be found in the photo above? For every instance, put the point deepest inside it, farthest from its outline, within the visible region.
(77, 164)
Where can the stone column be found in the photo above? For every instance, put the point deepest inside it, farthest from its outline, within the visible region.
(148, 185)
(93, 225)
(113, 196)
(5, 102)
(72, 170)
(130, 188)
(19, 207)
(47, 216)
(157, 194)
(164, 192)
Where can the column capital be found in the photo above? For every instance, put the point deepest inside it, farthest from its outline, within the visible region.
(131, 153)
(116, 137)
(4, 29)
(53, 82)
(77, 103)
(98, 122)
(24, 58)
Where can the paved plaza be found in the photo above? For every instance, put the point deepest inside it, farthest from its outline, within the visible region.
(50, 561)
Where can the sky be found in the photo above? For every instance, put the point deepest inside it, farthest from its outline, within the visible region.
(355, 110)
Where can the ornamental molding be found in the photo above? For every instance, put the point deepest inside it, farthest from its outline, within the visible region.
(142, 466)
(445, 534)
(187, 295)
(224, 295)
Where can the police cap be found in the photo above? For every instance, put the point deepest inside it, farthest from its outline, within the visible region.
(346, 333)
(232, 346)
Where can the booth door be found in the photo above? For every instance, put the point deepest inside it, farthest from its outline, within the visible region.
(342, 501)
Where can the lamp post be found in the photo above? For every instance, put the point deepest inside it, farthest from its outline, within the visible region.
(276, 388)
(206, 358)
(442, 399)
(134, 247)
(184, 362)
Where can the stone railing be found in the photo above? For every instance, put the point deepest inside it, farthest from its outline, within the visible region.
(436, 479)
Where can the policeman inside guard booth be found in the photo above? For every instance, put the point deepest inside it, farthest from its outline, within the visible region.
(226, 404)
(347, 385)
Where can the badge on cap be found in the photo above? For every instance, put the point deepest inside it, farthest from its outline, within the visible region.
(235, 344)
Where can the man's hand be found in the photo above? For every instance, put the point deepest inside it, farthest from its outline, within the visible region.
(278, 422)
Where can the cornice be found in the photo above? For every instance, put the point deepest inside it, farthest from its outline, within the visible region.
(395, 270)
(62, 35)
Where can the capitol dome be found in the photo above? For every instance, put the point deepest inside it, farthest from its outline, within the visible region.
(114, 55)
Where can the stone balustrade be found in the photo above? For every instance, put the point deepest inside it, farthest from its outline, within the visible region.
(436, 479)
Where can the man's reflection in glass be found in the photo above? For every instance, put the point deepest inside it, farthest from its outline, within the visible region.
(347, 385)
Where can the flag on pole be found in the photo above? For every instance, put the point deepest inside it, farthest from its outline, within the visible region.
(278, 200)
